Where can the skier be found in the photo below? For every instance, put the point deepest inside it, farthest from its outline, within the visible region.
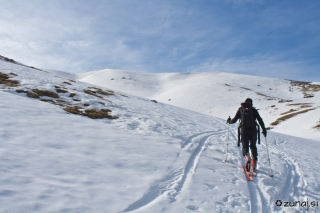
(248, 128)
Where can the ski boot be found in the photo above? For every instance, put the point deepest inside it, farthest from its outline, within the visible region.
(248, 162)
(254, 167)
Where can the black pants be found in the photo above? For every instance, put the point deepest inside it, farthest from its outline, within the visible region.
(249, 139)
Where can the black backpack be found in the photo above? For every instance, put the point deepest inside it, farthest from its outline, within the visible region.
(247, 119)
(247, 116)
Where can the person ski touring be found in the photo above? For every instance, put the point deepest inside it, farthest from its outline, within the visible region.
(248, 132)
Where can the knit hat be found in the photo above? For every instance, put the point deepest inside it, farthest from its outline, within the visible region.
(248, 100)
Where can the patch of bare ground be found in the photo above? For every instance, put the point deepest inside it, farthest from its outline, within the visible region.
(46, 93)
(91, 113)
(282, 101)
(301, 105)
(21, 91)
(72, 95)
(286, 117)
(124, 95)
(14, 62)
(5, 79)
(245, 88)
(306, 88)
(287, 112)
(266, 96)
(65, 82)
(95, 91)
(49, 100)
(59, 90)
(32, 95)
(102, 92)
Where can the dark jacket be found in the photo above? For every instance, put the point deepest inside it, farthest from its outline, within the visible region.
(247, 107)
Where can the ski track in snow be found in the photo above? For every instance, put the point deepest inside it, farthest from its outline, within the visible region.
(172, 185)
(257, 201)
(294, 188)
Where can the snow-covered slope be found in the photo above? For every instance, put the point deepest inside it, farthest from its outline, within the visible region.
(220, 94)
(154, 158)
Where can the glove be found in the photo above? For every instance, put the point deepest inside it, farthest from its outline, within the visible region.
(229, 120)
(264, 132)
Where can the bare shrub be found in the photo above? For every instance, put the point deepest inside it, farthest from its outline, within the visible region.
(46, 93)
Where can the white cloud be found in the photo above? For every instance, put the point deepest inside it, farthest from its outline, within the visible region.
(259, 65)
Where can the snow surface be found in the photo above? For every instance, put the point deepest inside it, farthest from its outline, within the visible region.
(218, 94)
(155, 158)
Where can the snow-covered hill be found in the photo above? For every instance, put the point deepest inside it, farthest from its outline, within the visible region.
(220, 95)
(149, 157)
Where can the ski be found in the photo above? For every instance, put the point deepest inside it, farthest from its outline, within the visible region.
(248, 174)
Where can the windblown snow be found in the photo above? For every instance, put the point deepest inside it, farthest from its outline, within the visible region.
(156, 157)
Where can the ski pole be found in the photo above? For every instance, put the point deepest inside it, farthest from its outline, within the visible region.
(271, 175)
(227, 142)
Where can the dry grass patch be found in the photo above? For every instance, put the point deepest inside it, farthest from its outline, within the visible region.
(73, 109)
(301, 105)
(91, 113)
(93, 93)
(46, 93)
(266, 96)
(21, 91)
(291, 110)
(99, 114)
(286, 117)
(7, 59)
(72, 95)
(32, 95)
(49, 100)
(102, 92)
(245, 88)
(306, 86)
(5, 79)
(59, 90)
(65, 82)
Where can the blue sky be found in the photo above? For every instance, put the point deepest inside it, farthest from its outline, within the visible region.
(271, 38)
